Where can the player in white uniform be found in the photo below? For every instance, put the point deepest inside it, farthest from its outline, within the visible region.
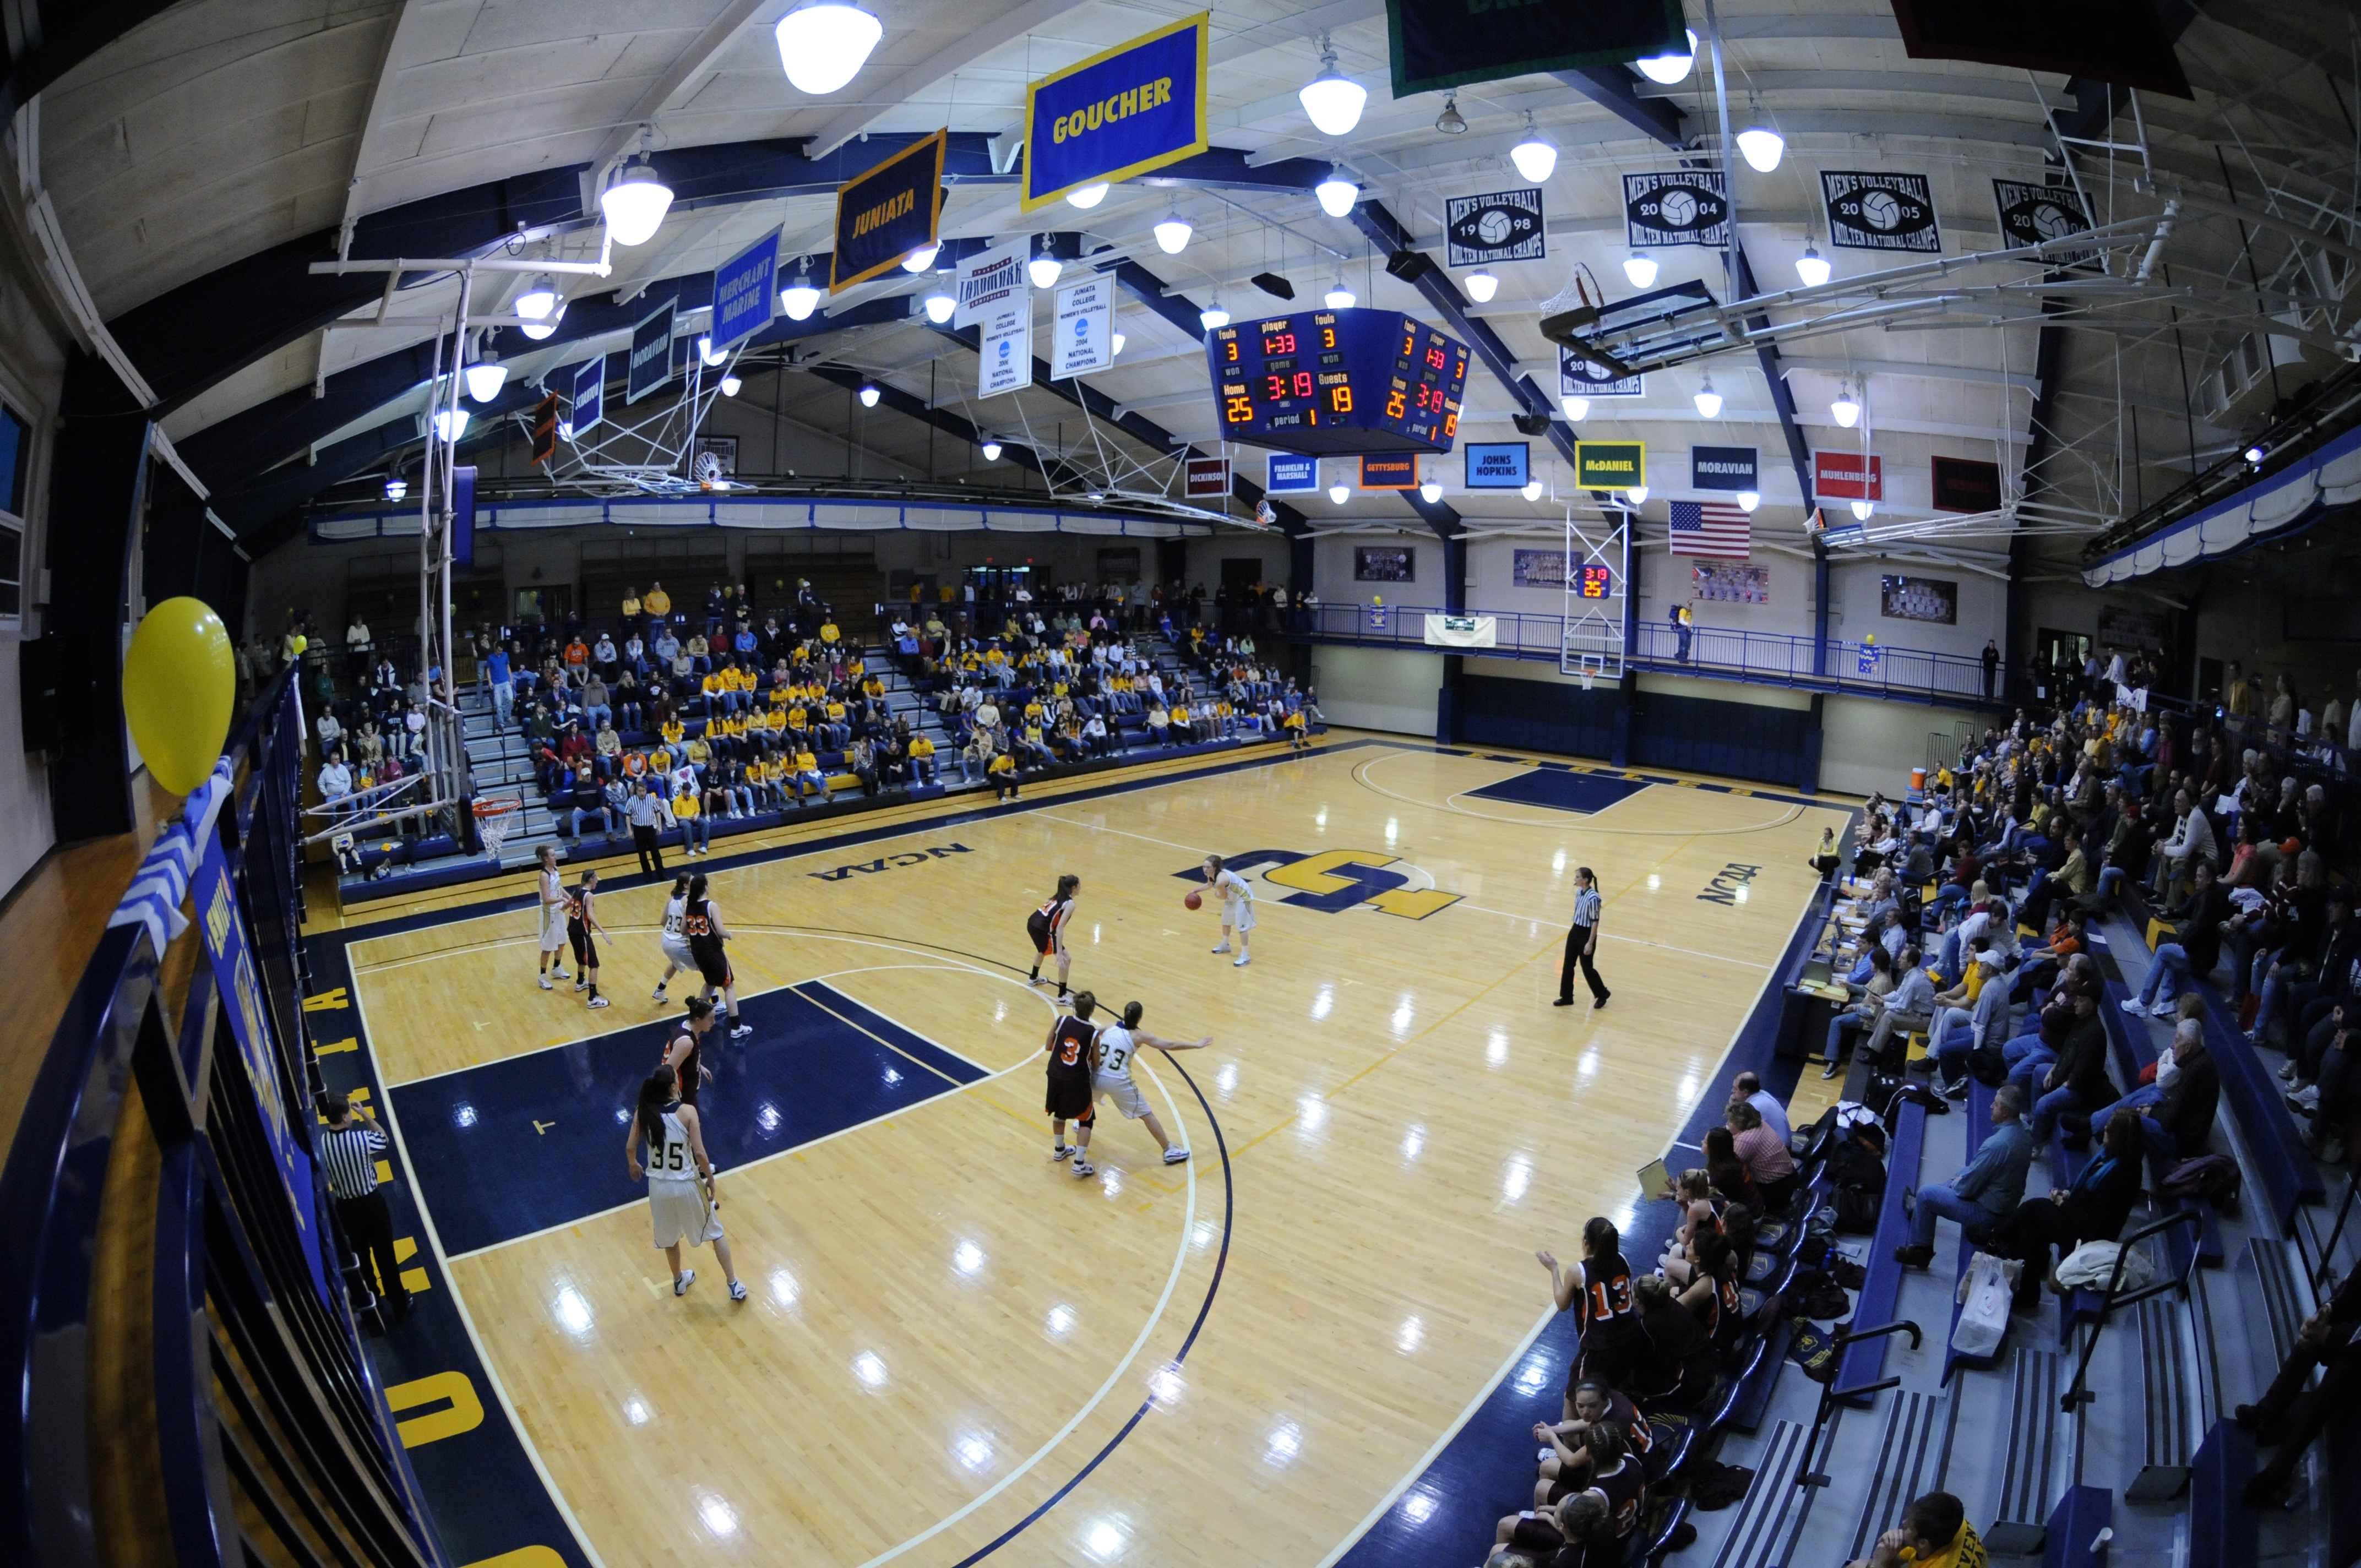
(672, 940)
(552, 920)
(1238, 906)
(681, 1196)
(1117, 1045)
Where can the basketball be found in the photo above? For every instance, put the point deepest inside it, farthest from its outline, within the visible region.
(1195, 901)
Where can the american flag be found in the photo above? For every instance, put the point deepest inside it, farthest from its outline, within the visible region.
(1711, 527)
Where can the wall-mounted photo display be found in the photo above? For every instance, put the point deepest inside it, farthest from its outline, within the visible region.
(1538, 569)
(1918, 598)
(1881, 212)
(1384, 564)
(1712, 582)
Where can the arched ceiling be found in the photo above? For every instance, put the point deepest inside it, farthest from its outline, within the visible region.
(197, 159)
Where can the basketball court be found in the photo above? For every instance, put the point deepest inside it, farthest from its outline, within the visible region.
(953, 1348)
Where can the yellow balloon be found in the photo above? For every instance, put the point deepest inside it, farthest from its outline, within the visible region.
(302, 643)
(180, 683)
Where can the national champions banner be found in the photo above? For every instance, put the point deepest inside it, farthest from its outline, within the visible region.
(1136, 107)
(887, 212)
(1450, 43)
(214, 895)
(994, 298)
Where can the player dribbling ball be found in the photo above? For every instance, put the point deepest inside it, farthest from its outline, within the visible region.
(1237, 907)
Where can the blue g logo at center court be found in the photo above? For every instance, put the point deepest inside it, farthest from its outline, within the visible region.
(1337, 880)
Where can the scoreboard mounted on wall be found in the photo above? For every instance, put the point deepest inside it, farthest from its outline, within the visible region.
(1322, 381)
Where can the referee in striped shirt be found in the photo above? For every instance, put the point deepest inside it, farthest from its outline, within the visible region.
(350, 1150)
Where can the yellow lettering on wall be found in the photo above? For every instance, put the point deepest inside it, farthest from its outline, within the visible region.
(464, 1412)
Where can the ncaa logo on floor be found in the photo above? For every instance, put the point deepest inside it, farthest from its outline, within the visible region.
(1334, 881)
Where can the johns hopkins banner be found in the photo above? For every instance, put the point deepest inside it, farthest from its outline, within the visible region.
(1133, 109)
(1450, 43)
(885, 214)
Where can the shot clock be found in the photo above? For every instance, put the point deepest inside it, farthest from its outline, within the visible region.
(1595, 582)
(1358, 380)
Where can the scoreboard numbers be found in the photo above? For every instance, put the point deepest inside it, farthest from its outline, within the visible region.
(1349, 380)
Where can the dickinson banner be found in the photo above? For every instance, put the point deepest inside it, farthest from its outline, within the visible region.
(1449, 43)
(1503, 227)
(1136, 107)
(744, 291)
(1689, 207)
(651, 364)
(885, 214)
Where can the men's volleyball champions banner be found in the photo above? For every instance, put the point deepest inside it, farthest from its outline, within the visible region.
(1450, 43)
(1136, 107)
(885, 214)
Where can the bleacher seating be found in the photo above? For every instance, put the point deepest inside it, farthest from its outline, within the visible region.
(1864, 1362)
(2290, 1179)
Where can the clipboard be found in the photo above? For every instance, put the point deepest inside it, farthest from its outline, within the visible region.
(1655, 1179)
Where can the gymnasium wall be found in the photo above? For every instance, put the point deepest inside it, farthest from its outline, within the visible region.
(1868, 745)
(33, 348)
(1377, 688)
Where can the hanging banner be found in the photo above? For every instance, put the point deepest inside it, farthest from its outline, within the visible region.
(2122, 41)
(1689, 207)
(463, 515)
(1450, 43)
(1498, 465)
(1577, 376)
(2031, 215)
(1963, 484)
(985, 281)
(1136, 107)
(1723, 468)
(1503, 227)
(1881, 212)
(1205, 479)
(994, 294)
(1084, 338)
(650, 363)
(588, 397)
(1389, 473)
(887, 212)
(214, 895)
(1848, 476)
(1464, 630)
(745, 292)
(1610, 464)
(1292, 475)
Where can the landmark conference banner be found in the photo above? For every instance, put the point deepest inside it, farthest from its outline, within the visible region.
(1136, 107)
(1450, 43)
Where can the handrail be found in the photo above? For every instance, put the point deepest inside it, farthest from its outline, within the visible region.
(2076, 1393)
(1831, 1395)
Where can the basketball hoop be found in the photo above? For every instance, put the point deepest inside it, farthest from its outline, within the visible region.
(495, 818)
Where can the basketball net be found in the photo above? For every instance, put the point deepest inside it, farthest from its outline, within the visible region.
(494, 818)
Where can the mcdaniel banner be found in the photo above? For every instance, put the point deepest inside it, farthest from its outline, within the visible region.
(1133, 109)
(1450, 43)
(885, 214)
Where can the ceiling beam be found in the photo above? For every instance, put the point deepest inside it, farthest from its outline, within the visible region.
(879, 99)
(62, 35)
(403, 29)
(717, 36)
(1616, 90)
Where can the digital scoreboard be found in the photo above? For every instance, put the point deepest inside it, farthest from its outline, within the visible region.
(1321, 381)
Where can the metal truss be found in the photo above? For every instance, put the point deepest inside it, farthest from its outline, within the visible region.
(648, 457)
(1594, 639)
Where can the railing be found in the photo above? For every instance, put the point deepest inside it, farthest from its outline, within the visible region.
(1759, 657)
(191, 1377)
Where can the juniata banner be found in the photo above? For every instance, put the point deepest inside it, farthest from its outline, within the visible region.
(1449, 43)
(1136, 107)
(885, 214)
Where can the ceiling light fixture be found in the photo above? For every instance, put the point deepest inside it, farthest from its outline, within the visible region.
(1862, 509)
(1532, 491)
(635, 205)
(450, 424)
(1748, 501)
(991, 451)
(1337, 193)
(1340, 493)
(396, 487)
(537, 330)
(1759, 144)
(1089, 196)
(2254, 456)
(1535, 158)
(539, 298)
(921, 258)
(1846, 408)
(941, 307)
(1330, 100)
(1636, 495)
(1577, 407)
(1044, 269)
(1670, 69)
(1812, 267)
(800, 299)
(1117, 343)
(707, 351)
(1482, 286)
(729, 385)
(1212, 316)
(1172, 230)
(1430, 490)
(486, 376)
(1451, 122)
(1641, 268)
(823, 45)
(1340, 298)
(869, 394)
(1707, 400)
